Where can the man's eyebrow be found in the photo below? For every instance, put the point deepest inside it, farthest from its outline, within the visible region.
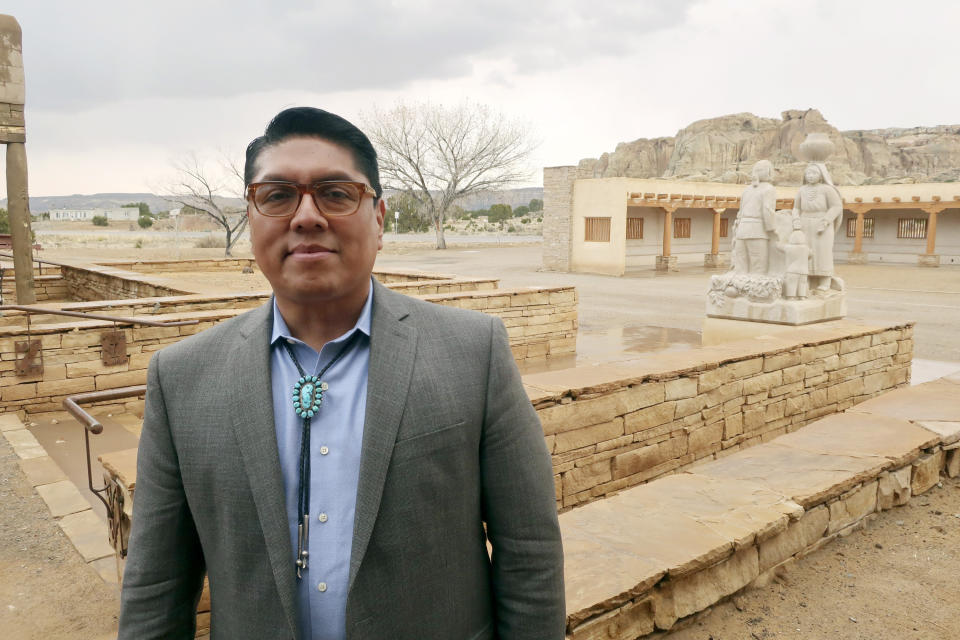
(335, 175)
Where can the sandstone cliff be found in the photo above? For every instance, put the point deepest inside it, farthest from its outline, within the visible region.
(724, 149)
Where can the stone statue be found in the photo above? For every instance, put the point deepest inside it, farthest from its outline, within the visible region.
(797, 259)
(819, 209)
(780, 256)
(751, 230)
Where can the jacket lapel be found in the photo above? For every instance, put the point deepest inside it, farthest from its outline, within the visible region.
(256, 435)
(392, 348)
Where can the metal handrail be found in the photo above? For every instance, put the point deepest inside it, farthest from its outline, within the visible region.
(95, 316)
(34, 259)
(92, 425)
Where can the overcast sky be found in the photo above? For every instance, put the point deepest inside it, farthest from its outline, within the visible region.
(117, 91)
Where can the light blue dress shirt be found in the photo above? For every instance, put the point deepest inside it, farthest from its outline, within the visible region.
(336, 435)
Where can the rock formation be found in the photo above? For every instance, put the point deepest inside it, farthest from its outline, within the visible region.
(724, 149)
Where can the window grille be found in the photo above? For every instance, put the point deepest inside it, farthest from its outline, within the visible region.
(634, 228)
(912, 228)
(681, 227)
(597, 229)
(867, 228)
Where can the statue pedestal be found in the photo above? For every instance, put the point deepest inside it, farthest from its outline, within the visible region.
(716, 260)
(666, 263)
(759, 298)
(856, 258)
(719, 330)
(816, 308)
(928, 260)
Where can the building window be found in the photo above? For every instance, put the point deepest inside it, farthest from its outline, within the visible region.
(634, 228)
(867, 228)
(597, 229)
(681, 227)
(912, 228)
(724, 227)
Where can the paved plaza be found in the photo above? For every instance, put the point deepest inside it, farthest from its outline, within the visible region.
(650, 311)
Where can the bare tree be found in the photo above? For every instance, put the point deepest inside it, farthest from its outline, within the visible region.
(208, 190)
(439, 155)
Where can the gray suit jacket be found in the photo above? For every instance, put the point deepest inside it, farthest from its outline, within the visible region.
(450, 442)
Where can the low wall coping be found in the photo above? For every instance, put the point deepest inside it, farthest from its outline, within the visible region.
(609, 377)
(50, 328)
(495, 293)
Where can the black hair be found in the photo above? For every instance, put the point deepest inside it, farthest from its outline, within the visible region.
(316, 123)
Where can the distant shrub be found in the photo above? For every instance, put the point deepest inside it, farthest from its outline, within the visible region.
(139, 243)
(511, 229)
(145, 222)
(100, 221)
(525, 221)
(211, 241)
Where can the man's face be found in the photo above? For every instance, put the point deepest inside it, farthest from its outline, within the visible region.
(309, 257)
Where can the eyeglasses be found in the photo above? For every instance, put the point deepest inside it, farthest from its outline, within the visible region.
(279, 199)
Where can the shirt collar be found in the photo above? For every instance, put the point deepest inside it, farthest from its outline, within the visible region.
(281, 330)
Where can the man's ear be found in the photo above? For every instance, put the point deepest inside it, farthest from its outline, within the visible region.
(381, 211)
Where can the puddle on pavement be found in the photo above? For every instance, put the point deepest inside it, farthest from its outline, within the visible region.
(609, 344)
(62, 438)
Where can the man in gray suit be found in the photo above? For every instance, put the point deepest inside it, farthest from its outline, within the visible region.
(337, 461)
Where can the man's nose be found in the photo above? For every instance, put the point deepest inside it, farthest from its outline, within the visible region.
(307, 215)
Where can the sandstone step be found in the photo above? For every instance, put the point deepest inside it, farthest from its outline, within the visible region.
(638, 561)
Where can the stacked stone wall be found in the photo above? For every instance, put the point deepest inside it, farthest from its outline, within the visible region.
(539, 322)
(632, 425)
(72, 361)
(169, 266)
(105, 283)
(45, 288)
(455, 285)
(557, 216)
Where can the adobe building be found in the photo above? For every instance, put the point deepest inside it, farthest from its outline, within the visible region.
(612, 225)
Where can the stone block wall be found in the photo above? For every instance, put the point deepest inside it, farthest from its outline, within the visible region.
(110, 283)
(391, 276)
(454, 285)
(46, 288)
(729, 524)
(618, 426)
(169, 266)
(72, 359)
(539, 322)
(557, 216)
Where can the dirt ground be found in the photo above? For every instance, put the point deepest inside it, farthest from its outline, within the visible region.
(896, 579)
(47, 592)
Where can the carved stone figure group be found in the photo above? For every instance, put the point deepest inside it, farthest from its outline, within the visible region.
(803, 241)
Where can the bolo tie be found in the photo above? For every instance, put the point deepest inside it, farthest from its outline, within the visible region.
(307, 398)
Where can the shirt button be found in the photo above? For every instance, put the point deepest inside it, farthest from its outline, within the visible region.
(322, 587)
(324, 451)
(322, 517)
(291, 341)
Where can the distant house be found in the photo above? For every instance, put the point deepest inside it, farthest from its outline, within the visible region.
(118, 213)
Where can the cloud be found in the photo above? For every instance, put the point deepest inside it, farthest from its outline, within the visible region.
(79, 55)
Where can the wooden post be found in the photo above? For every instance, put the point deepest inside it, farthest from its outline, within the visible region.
(715, 244)
(18, 205)
(858, 234)
(932, 229)
(667, 230)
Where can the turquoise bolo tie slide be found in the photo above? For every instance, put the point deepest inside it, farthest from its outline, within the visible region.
(308, 396)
